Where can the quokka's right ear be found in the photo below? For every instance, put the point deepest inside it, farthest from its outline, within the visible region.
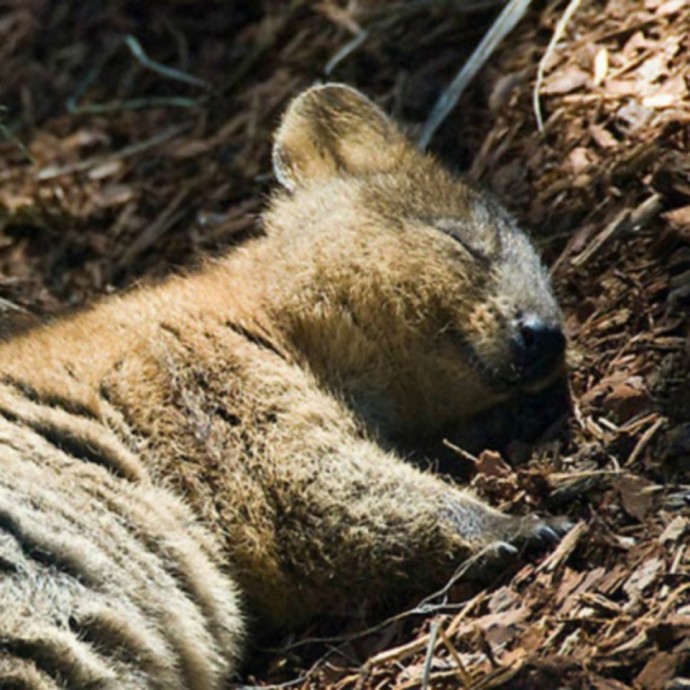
(334, 129)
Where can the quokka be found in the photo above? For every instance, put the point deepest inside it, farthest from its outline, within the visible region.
(190, 463)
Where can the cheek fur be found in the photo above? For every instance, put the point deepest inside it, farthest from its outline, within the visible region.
(486, 329)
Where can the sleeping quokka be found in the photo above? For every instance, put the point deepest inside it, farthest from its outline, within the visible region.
(191, 463)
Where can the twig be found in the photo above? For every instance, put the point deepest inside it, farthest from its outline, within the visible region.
(624, 221)
(406, 650)
(393, 14)
(7, 305)
(91, 76)
(155, 230)
(437, 677)
(169, 72)
(504, 24)
(465, 455)
(463, 675)
(644, 441)
(136, 104)
(396, 654)
(563, 550)
(399, 653)
(424, 608)
(426, 605)
(557, 35)
(52, 172)
(72, 103)
(433, 637)
(345, 51)
(5, 133)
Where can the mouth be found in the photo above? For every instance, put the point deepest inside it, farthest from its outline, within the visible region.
(537, 382)
(514, 378)
(538, 353)
(501, 380)
(529, 368)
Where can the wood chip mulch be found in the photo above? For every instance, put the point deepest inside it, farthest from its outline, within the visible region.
(117, 170)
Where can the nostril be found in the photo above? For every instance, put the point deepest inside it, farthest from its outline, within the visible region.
(541, 345)
(529, 336)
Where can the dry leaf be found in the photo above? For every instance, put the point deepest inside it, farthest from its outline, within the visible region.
(680, 217)
(491, 464)
(674, 530)
(635, 495)
(658, 671)
(643, 577)
(601, 66)
(566, 80)
(603, 137)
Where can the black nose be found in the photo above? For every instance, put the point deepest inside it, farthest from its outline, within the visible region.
(539, 346)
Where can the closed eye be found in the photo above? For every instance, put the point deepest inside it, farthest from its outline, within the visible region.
(450, 227)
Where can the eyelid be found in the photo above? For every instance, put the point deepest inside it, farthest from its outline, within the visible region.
(472, 251)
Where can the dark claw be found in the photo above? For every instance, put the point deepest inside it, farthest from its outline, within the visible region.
(505, 549)
(677, 500)
(548, 534)
(547, 530)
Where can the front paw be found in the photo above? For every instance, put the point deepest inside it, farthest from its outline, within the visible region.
(517, 531)
(480, 525)
(535, 529)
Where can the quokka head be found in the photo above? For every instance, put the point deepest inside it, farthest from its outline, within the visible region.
(413, 291)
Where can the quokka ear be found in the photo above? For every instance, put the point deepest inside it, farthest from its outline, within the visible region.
(334, 129)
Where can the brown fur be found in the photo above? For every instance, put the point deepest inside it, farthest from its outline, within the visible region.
(262, 397)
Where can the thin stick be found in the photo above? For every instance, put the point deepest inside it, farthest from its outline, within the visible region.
(7, 305)
(153, 232)
(406, 650)
(512, 13)
(465, 455)
(644, 441)
(345, 51)
(433, 637)
(463, 676)
(137, 104)
(5, 133)
(169, 72)
(625, 220)
(557, 35)
(52, 172)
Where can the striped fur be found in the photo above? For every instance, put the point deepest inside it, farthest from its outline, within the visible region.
(105, 581)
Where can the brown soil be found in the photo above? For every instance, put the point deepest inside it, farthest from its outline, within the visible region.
(113, 172)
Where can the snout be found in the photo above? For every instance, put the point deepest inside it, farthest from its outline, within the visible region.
(538, 348)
